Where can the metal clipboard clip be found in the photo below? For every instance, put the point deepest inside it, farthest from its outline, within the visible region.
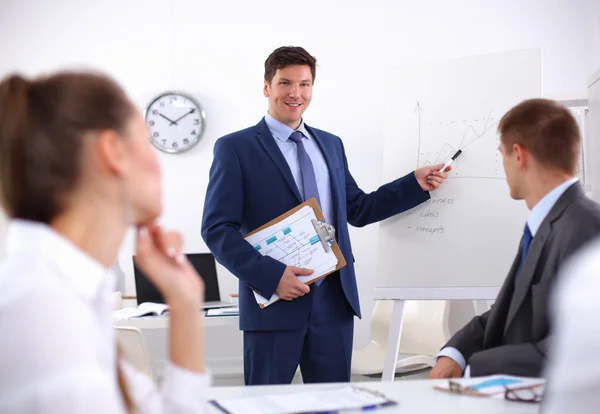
(326, 233)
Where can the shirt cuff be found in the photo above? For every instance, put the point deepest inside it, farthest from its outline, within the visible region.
(467, 372)
(454, 354)
(185, 387)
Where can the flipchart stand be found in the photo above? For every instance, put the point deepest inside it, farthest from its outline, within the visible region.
(480, 296)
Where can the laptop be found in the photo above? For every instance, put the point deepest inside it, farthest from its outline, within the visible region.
(205, 265)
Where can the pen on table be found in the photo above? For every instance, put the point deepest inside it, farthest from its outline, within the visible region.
(451, 160)
(354, 410)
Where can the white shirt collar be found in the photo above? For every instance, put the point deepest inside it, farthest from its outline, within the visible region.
(543, 207)
(281, 131)
(86, 274)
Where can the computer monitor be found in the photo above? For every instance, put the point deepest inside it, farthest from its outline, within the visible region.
(205, 265)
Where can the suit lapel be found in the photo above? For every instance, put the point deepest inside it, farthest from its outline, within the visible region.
(266, 139)
(526, 274)
(498, 315)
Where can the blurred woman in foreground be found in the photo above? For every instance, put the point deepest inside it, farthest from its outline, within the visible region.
(76, 170)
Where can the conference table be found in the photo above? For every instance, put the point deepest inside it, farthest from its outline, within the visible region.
(412, 396)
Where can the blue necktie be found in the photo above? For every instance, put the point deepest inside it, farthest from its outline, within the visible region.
(309, 181)
(527, 237)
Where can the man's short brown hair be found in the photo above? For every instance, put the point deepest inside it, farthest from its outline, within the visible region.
(287, 56)
(546, 129)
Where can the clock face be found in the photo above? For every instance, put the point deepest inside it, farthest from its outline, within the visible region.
(176, 122)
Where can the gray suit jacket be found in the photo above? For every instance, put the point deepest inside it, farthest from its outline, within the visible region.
(512, 337)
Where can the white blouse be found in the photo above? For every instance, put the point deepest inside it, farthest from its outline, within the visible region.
(57, 342)
(573, 371)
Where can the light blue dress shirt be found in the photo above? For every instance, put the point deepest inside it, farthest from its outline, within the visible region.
(281, 133)
(536, 216)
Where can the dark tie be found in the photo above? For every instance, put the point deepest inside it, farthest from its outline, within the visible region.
(527, 237)
(309, 181)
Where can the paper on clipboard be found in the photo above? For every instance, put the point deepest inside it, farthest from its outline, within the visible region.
(261, 300)
(293, 241)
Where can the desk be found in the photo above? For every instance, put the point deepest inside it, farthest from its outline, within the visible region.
(413, 396)
(223, 347)
(162, 322)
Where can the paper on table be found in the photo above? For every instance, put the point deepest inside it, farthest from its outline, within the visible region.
(294, 242)
(145, 309)
(222, 311)
(346, 398)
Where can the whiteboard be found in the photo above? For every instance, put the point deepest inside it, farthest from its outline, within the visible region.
(593, 138)
(468, 234)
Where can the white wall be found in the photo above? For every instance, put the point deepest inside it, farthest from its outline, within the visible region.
(215, 50)
(594, 32)
(3, 228)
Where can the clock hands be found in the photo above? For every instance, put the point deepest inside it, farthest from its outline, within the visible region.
(170, 120)
(183, 116)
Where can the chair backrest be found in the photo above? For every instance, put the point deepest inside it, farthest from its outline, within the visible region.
(117, 301)
(132, 344)
(425, 329)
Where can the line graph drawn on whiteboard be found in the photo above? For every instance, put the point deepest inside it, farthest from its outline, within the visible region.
(439, 139)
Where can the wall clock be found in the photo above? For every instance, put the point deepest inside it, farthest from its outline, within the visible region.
(176, 122)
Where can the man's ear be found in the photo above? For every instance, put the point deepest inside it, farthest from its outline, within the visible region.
(111, 151)
(522, 156)
(267, 89)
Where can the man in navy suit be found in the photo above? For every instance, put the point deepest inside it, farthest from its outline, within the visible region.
(260, 173)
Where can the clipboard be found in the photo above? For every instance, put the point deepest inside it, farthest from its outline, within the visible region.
(322, 229)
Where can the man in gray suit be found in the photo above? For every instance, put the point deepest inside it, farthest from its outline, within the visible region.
(540, 144)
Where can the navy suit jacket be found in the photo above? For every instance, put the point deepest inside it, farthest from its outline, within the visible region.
(251, 184)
